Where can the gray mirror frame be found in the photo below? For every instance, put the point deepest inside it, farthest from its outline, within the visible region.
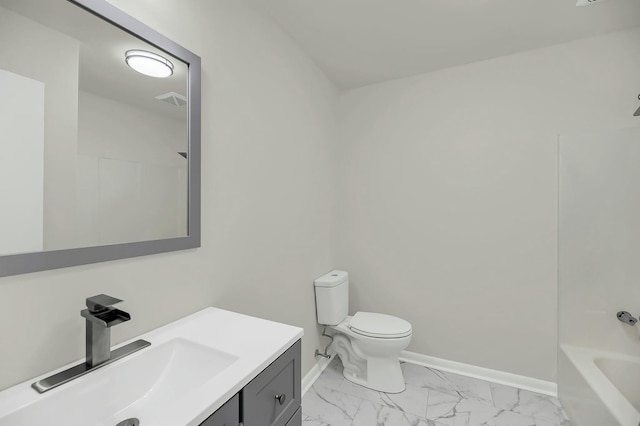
(41, 261)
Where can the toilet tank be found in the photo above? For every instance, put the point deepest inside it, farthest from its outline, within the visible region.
(332, 297)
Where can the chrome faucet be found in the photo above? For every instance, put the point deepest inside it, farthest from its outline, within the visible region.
(100, 316)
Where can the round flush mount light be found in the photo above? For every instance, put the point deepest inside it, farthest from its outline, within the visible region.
(148, 63)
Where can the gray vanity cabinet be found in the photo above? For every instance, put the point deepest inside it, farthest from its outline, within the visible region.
(296, 420)
(227, 415)
(273, 398)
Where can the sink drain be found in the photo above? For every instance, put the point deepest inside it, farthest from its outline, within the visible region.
(129, 422)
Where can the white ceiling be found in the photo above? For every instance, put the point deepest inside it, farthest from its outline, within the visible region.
(102, 69)
(359, 42)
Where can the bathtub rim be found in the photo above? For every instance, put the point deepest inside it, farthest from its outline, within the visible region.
(584, 361)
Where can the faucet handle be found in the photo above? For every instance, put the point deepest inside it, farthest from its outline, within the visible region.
(627, 318)
(101, 302)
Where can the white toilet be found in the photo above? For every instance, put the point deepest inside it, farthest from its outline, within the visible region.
(367, 343)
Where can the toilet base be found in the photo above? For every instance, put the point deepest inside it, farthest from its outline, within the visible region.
(370, 361)
(383, 375)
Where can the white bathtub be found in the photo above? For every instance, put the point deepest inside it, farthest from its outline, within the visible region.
(606, 389)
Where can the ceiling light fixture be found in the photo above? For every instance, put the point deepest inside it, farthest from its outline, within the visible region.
(148, 63)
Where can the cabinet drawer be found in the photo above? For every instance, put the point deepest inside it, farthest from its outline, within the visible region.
(260, 405)
(227, 415)
(296, 420)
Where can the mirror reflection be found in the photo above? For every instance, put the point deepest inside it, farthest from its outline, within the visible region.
(94, 141)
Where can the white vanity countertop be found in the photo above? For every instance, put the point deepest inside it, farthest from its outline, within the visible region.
(255, 342)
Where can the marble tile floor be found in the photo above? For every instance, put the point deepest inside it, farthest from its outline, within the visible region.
(432, 398)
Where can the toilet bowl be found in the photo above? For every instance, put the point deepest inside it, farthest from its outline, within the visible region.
(367, 343)
(369, 352)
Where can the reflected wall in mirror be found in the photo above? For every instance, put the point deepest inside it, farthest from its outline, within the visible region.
(94, 153)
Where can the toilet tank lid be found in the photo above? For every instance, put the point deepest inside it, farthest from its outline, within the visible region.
(374, 324)
(332, 279)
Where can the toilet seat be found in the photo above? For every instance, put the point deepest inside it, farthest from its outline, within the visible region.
(380, 326)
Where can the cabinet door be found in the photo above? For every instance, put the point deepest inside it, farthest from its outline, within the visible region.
(227, 415)
(272, 398)
(296, 420)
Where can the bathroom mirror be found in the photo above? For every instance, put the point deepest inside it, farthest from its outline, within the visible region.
(100, 137)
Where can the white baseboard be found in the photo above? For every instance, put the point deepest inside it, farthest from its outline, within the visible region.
(487, 374)
(309, 379)
(494, 376)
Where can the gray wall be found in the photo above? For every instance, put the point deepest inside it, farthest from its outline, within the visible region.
(268, 188)
(599, 239)
(35, 51)
(132, 183)
(446, 194)
(598, 258)
(449, 188)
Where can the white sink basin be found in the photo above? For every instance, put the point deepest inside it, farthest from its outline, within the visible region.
(145, 382)
(193, 366)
